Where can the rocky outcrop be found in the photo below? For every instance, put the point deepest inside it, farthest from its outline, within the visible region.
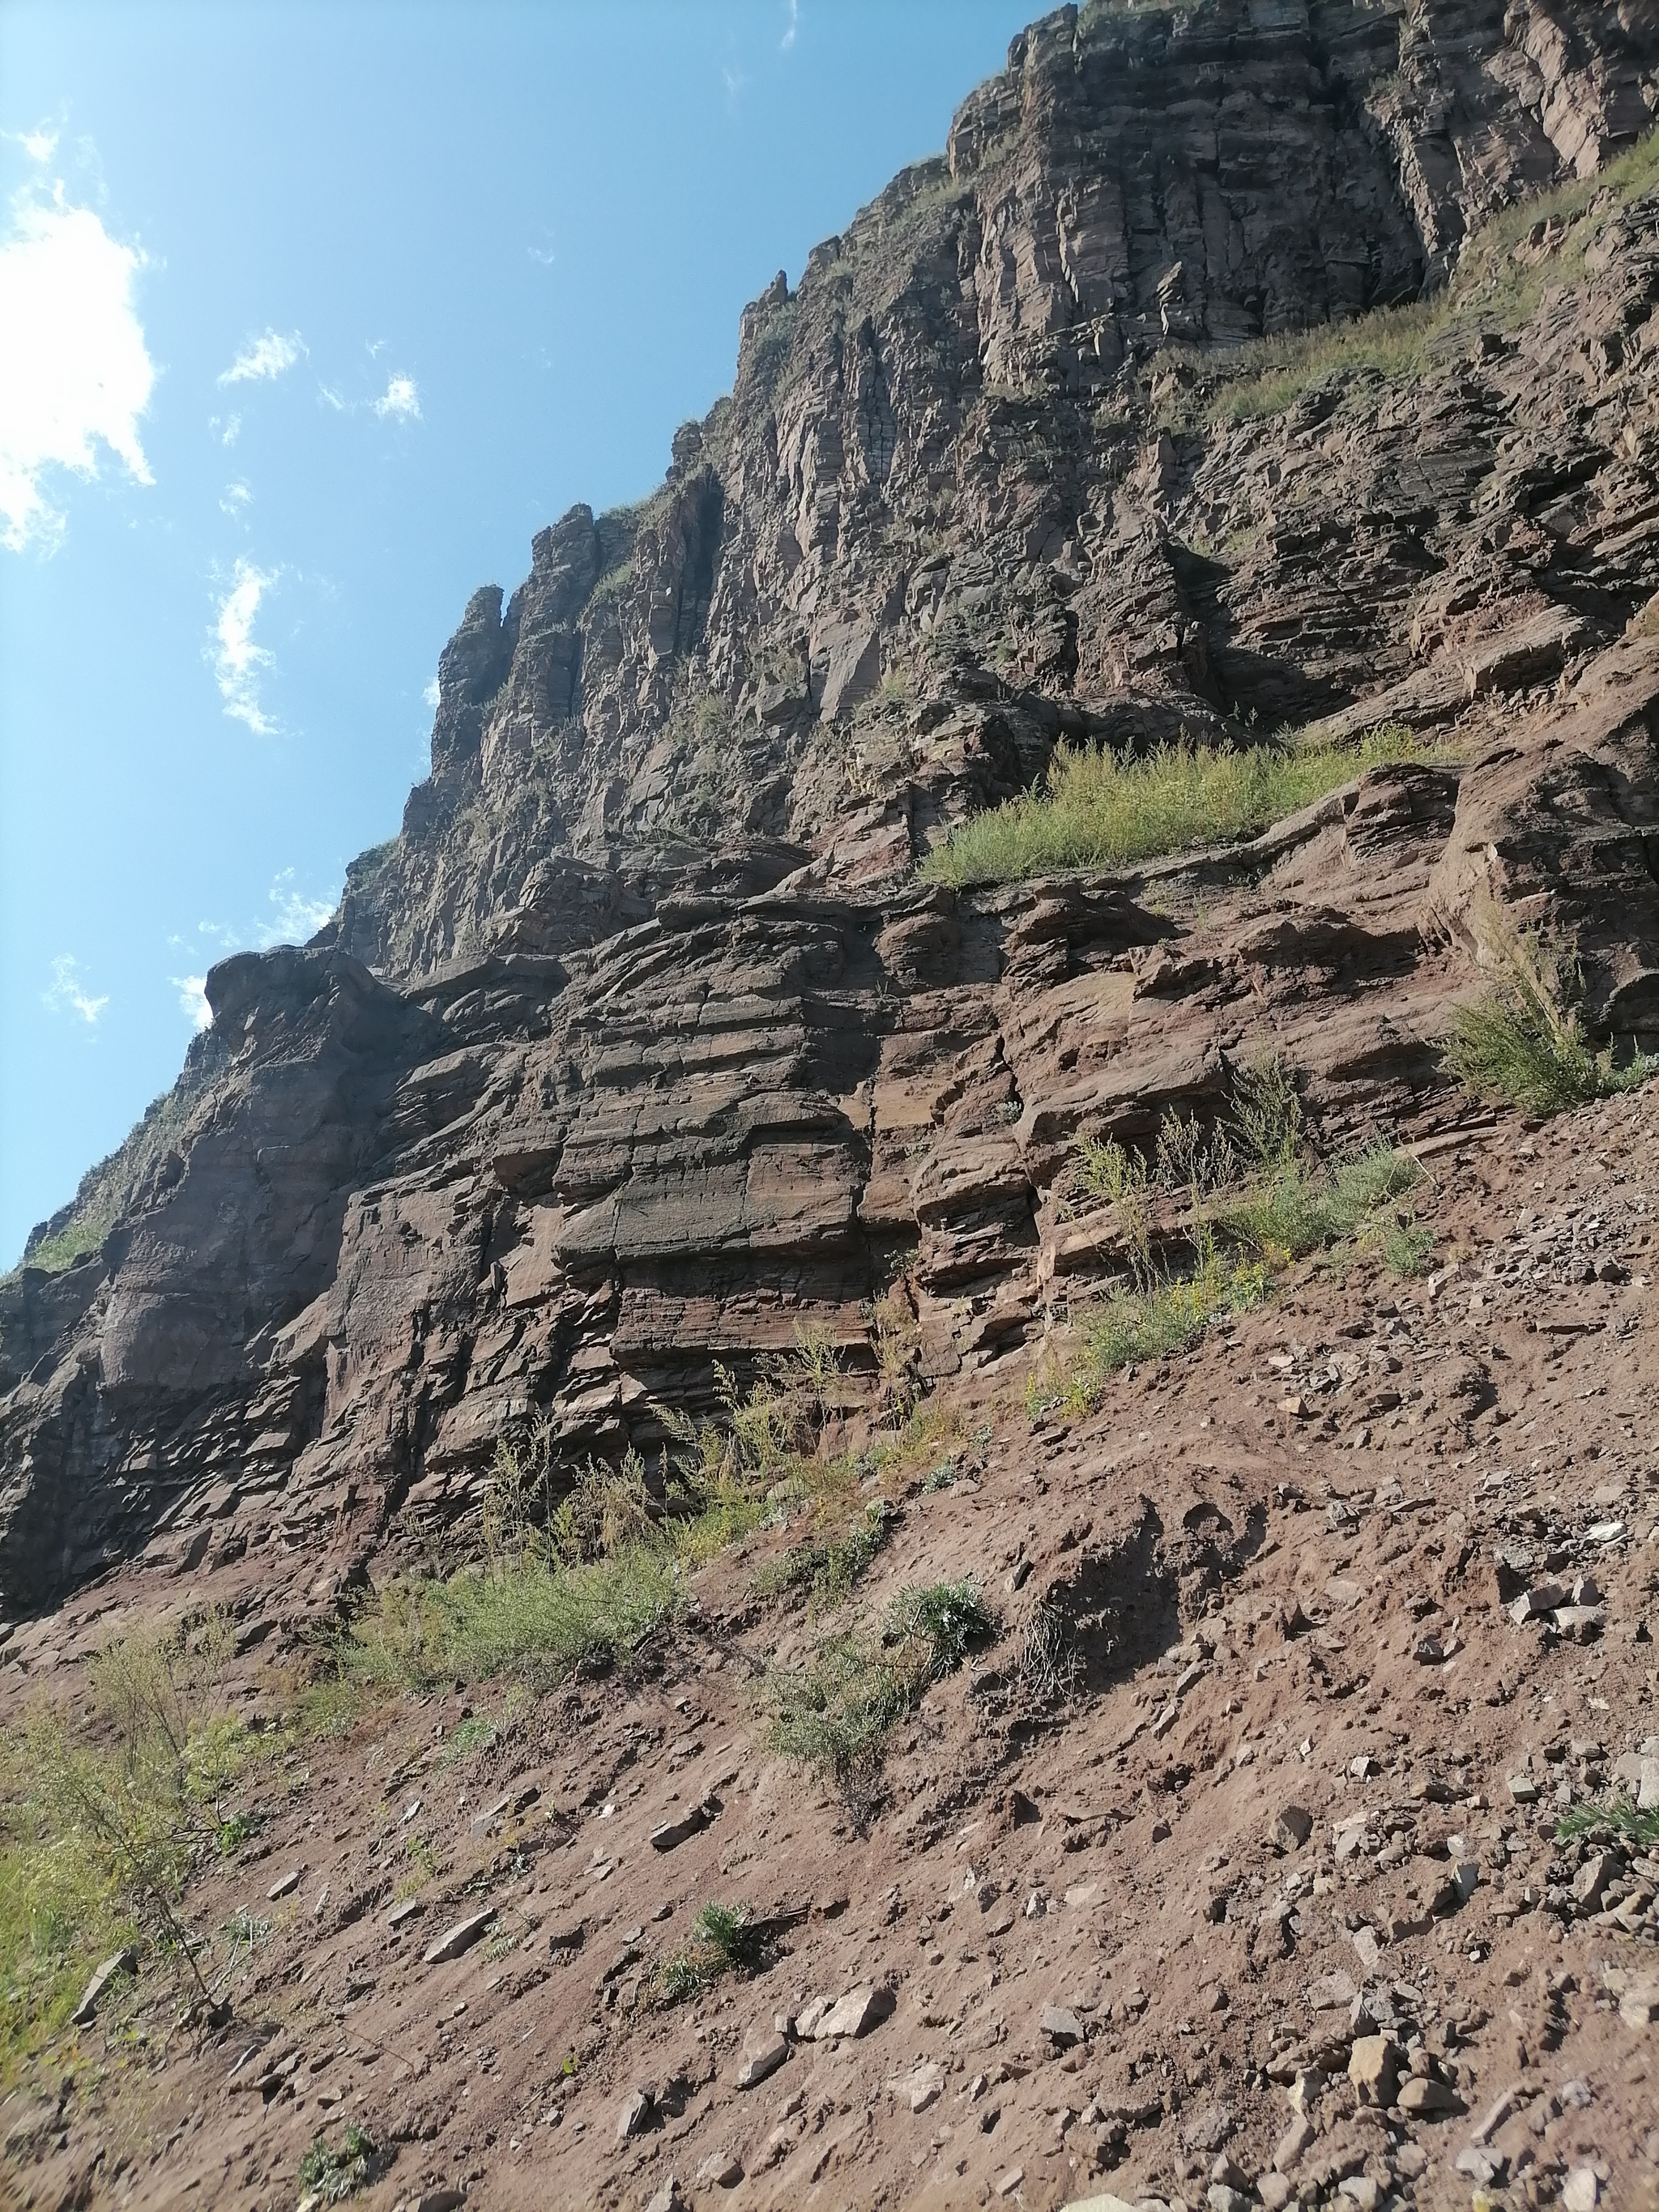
(642, 1045)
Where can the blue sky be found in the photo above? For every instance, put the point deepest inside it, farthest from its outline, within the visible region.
(309, 317)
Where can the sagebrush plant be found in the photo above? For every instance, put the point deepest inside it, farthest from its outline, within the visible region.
(1521, 1043)
(836, 1713)
(104, 1816)
(1098, 809)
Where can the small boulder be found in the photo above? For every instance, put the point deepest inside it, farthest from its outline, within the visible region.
(461, 1937)
(761, 2060)
(1292, 1828)
(1063, 2027)
(638, 2114)
(1426, 2099)
(1374, 2069)
(855, 2014)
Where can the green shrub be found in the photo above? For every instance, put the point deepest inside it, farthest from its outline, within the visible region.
(1097, 809)
(332, 2175)
(725, 1939)
(1521, 1044)
(836, 1714)
(104, 1817)
(537, 1618)
(828, 1567)
(1296, 1209)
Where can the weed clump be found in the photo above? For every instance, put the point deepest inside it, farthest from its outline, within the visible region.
(836, 1714)
(828, 1567)
(1256, 1200)
(1098, 809)
(1521, 1045)
(725, 1939)
(329, 2175)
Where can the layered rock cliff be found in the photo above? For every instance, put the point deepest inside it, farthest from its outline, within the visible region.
(643, 1043)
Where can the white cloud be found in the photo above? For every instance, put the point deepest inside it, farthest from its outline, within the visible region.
(793, 10)
(66, 995)
(430, 694)
(234, 498)
(263, 359)
(192, 999)
(327, 392)
(74, 370)
(238, 662)
(40, 145)
(225, 429)
(400, 399)
(735, 82)
(294, 917)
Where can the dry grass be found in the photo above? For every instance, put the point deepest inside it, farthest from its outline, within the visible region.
(1097, 809)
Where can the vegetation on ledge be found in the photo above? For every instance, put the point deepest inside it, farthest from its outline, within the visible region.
(1097, 809)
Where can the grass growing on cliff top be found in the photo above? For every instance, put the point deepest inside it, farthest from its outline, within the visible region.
(1097, 809)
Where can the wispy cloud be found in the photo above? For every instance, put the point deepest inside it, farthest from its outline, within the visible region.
(264, 358)
(400, 400)
(67, 995)
(293, 917)
(40, 144)
(792, 9)
(192, 999)
(234, 498)
(735, 81)
(239, 664)
(75, 372)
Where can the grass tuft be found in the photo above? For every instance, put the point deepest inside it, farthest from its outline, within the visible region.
(836, 1714)
(1620, 1817)
(1521, 1045)
(725, 1939)
(1098, 809)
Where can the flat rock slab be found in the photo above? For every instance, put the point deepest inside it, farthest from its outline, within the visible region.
(668, 1833)
(122, 1962)
(461, 1937)
(855, 2014)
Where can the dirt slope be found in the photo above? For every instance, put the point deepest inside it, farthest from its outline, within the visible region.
(1288, 1561)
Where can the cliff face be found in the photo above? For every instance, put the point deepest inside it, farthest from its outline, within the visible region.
(643, 1043)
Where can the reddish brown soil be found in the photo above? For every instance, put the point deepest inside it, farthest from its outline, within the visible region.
(1261, 1548)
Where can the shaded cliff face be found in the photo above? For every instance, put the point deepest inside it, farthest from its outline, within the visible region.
(642, 1044)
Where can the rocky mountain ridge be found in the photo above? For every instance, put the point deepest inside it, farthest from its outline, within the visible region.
(642, 1042)
(1260, 370)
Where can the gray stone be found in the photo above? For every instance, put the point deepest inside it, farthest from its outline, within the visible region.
(461, 1937)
